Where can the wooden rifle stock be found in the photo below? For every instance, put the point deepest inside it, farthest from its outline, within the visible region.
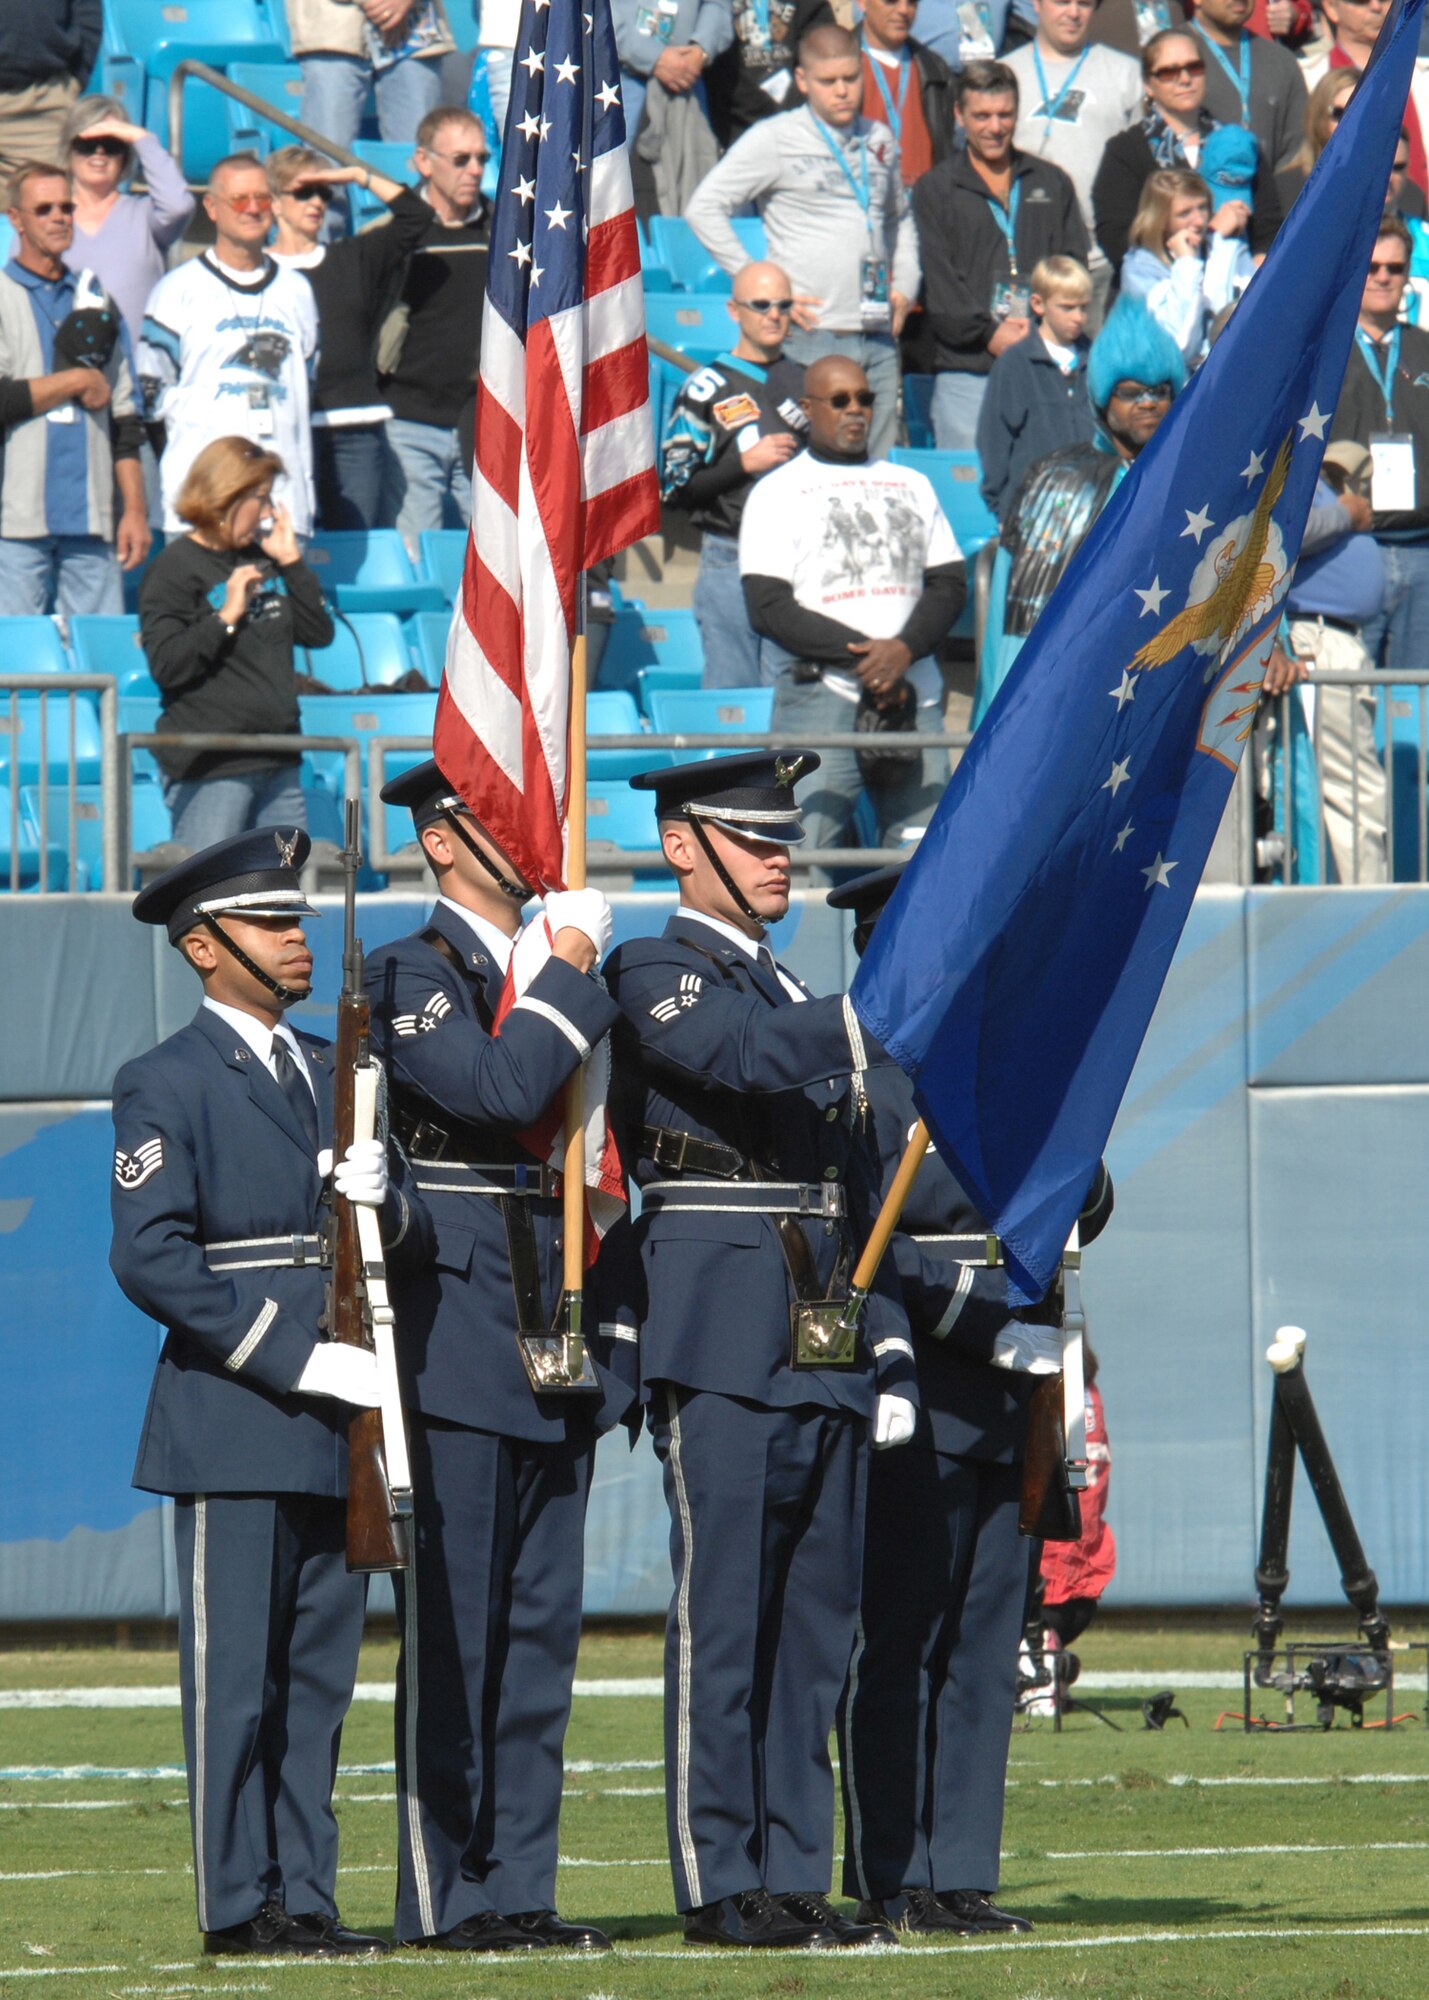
(377, 1536)
(1047, 1507)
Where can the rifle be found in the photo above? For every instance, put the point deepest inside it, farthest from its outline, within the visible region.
(1054, 1469)
(379, 1481)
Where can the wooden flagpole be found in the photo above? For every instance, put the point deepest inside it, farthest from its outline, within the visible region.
(574, 1231)
(866, 1270)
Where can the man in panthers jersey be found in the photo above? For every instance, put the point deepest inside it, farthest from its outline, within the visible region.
(730, 423)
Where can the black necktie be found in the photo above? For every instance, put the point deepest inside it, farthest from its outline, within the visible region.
(294, 1087)
(773, 984)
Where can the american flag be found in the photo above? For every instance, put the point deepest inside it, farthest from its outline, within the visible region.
(565, 455)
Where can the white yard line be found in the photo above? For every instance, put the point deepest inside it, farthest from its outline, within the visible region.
(1217, 1853)
(384, 1692)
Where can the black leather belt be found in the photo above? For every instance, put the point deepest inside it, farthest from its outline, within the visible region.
(260, 1253)
(681, 1152)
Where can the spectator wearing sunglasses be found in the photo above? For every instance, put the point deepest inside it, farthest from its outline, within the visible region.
(391, 49)
(229, 338)
(1352, 28)
(68, 429)
(356, 282)
(430, 342)
(1173, 127)
(732, 422)
(122, 237)
(852, 574)
(1386, 397)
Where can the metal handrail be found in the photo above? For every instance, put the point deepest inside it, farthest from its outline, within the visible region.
(269, 113)
(65, 687)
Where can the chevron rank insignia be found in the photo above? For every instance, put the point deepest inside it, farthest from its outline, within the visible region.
(688, 995)
(131, 1170)
(436, 1010)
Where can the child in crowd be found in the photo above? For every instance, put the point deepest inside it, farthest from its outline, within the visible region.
(1036, 398)
(1186, 262)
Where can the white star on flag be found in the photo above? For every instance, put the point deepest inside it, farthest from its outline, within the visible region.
(607, 95)
(1255, 468)
(532, 61)
(1120, 775)
(1197, 524)
(1122, 838)
(558, 217)
(1158, 875)
(529, 126)
(525, 191)
(1153, 599)
(1125, 693)
(537, 273)
(566, 72)
(522, 253)
(1314, 424)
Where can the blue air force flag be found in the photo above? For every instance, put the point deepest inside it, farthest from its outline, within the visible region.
(1015, 970)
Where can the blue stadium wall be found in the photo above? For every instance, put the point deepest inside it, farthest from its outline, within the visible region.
(1271, 1160)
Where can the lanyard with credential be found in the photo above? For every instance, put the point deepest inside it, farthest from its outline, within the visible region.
(1240, 83)
(1050, 105)
(1383, 372)
(895, 111)
(1006, 220)
(858, 187)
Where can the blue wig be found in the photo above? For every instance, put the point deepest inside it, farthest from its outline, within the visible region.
(1131, 347)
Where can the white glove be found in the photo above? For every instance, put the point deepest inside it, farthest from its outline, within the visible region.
(347, 1374)
(893, 1421)
(361, 1174)
(1029, 1350)
(584, 910)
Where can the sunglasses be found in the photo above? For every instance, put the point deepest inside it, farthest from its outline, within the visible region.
(313, 191)
(43, 208)
(115, 148)
(765, 305)
(1388, 270)
(1137, 393)
(461, 159)
(247, 204)
(841, 398)
(1184, 72)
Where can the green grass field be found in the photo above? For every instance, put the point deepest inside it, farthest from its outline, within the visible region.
(1185, 1863)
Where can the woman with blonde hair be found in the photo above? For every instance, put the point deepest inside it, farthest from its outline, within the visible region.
(1323, 112)
(1184, 263)
(121, 237)
(220, 612)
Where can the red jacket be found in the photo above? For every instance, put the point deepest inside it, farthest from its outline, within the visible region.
(1085, 1568)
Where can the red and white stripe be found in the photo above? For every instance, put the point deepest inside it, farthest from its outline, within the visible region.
(564, 476)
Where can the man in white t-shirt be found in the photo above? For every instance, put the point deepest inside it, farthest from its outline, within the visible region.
(852, 575)
(1073, 95)
(229, 339)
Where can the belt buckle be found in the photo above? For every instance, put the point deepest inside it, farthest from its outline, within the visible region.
(300, 1250)
(661, 1156)
(832, 1193)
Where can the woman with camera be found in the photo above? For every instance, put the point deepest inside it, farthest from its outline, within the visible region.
(220, 612)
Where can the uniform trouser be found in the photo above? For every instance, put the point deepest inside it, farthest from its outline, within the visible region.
(1352, 787)
(926, 1718)
(490, 1615)
(766, 1534)
(269, 1627)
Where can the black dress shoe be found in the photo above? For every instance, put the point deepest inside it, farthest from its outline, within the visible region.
(338, 1940)
(843, 1933)
(548, 1929)
(488, 1932)
(915, 1910)
(752, 1919)
(271, 1934)
(977, 1914)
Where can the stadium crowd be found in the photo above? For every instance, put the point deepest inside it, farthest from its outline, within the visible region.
(954, 201)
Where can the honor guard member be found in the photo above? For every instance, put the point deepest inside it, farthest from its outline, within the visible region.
(925, 1722)
(741, 1110)
(489, 1611)
(225, 1135)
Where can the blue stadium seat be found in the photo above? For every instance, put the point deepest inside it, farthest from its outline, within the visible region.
(698, 326)
(32, 645)
(427, 633)
(609, 713)
(691, 266)
(443, 552)
(389, 158)
(369, 649)
(655, 680)
(110, 645)
(7, 240)
(88, 852)
(139, 716)
(620, 818)
(645, 638)
(36, 733)
(957, 481)
(36, 867)
(918, 411)
(712, 711)
(363, 716)
(370, 572)
(159, 35)
(278, 84)
(150, 823)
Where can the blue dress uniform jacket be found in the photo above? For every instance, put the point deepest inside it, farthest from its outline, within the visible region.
(209, 1150)
(490, 1609)
(430, 1024)
(713, 1045)
(925, 1719)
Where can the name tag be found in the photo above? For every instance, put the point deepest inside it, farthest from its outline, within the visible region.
(1392, 481)
(65, 414)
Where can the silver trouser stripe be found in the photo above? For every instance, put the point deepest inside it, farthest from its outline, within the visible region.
(819, 1198)
(688, 1855)
(850, 1769)
(244, 1350)
(894, 1344)
(412, 1774)
(557, 1020)
(962, 1292)
(200, 1598)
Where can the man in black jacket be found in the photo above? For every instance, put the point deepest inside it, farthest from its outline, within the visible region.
(985, 217)
(47, 50)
